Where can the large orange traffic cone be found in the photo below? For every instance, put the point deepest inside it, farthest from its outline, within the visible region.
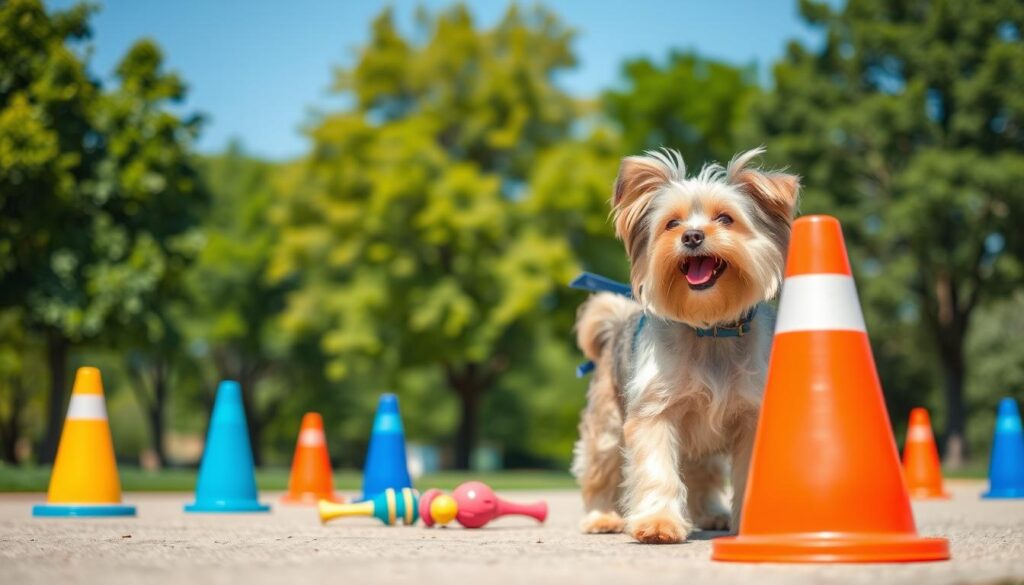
(825, 482)
(84, 481)
(921, 466)
(311, 478)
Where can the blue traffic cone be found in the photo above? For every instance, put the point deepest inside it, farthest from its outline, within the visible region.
(386, 466)
(227, 482)
(1006, 468)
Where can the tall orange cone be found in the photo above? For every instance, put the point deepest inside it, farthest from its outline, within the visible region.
(311, 478)
(84, 481)
(825, 482)
(921, 466)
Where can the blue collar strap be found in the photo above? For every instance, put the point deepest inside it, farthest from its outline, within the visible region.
(597, 283)
(737, 329)
(585, 368)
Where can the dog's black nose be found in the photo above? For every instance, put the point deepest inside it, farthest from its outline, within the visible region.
(693, 238)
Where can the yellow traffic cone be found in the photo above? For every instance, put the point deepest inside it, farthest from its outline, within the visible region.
(84, 481)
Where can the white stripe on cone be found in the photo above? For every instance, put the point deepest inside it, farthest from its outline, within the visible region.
(819, 302)
(87, 407)
(919, 434)
(311, 437)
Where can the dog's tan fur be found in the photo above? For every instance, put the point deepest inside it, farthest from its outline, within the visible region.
(666, 409)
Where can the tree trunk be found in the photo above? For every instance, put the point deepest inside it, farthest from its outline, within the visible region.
(57, 357)
(469, 386)
(465, 439)
(10, 429)
(9, 453)
(954, 373)
(158, 410)
(153, 405)
(952, 315)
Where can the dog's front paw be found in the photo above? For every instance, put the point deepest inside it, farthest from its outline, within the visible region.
(598, 522)
(713, 520)
(662, 528)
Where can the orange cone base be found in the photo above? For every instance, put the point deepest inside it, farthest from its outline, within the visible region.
(311, 499)
(829, 548)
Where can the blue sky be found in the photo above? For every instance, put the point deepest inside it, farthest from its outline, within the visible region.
(260, 69)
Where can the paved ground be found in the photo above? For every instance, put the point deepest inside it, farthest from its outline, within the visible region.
(163, 545)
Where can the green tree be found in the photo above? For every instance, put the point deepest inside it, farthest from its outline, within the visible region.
(46, 159)
(14, 394)
(693, 104)
(95, 188)
(997, 369)
(153, 200)
(907, 124)
(407, 238)
(233, 305)
(568, 195)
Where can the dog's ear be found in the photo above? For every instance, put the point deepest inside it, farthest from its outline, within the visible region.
(641, 175)
(639, 178)
(777, 193)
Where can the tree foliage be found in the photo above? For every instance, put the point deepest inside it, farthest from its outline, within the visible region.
(423, 243)
(97, 188)
(407, 237)
(907, 124)
(690, 103)
(234, 306)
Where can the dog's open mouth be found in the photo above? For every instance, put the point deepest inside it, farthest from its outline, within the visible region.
(702, 272)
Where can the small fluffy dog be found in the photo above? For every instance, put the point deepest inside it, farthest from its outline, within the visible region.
(680, 370)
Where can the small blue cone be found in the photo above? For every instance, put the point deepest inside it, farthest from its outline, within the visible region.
(227, 482)
(386, 466)
(1006, 468)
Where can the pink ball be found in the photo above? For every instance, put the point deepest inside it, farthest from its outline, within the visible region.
(477, 504)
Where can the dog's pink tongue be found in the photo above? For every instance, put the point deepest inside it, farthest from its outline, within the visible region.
(700, 270)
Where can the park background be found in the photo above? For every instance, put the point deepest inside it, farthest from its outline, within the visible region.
(410, 214)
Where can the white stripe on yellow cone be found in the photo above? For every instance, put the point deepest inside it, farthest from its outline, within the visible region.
(87, 407)
(819, 302)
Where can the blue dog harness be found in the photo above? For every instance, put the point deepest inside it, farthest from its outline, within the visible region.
(597, 283)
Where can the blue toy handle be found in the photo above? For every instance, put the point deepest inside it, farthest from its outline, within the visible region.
(597, 283)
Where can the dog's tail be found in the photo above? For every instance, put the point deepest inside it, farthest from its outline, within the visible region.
(597, 319)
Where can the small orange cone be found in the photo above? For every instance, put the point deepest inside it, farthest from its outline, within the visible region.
(825, 482)
(84, 481)
(311, 479)
(921, 466)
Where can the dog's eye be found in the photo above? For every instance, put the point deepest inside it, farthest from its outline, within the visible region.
(673, 224)
(724, 218)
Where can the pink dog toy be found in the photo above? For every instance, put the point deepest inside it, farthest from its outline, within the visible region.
(473, 504)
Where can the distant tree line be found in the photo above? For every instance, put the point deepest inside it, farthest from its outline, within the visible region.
(423, 243)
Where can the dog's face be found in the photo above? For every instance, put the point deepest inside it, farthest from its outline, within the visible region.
(704, 250)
